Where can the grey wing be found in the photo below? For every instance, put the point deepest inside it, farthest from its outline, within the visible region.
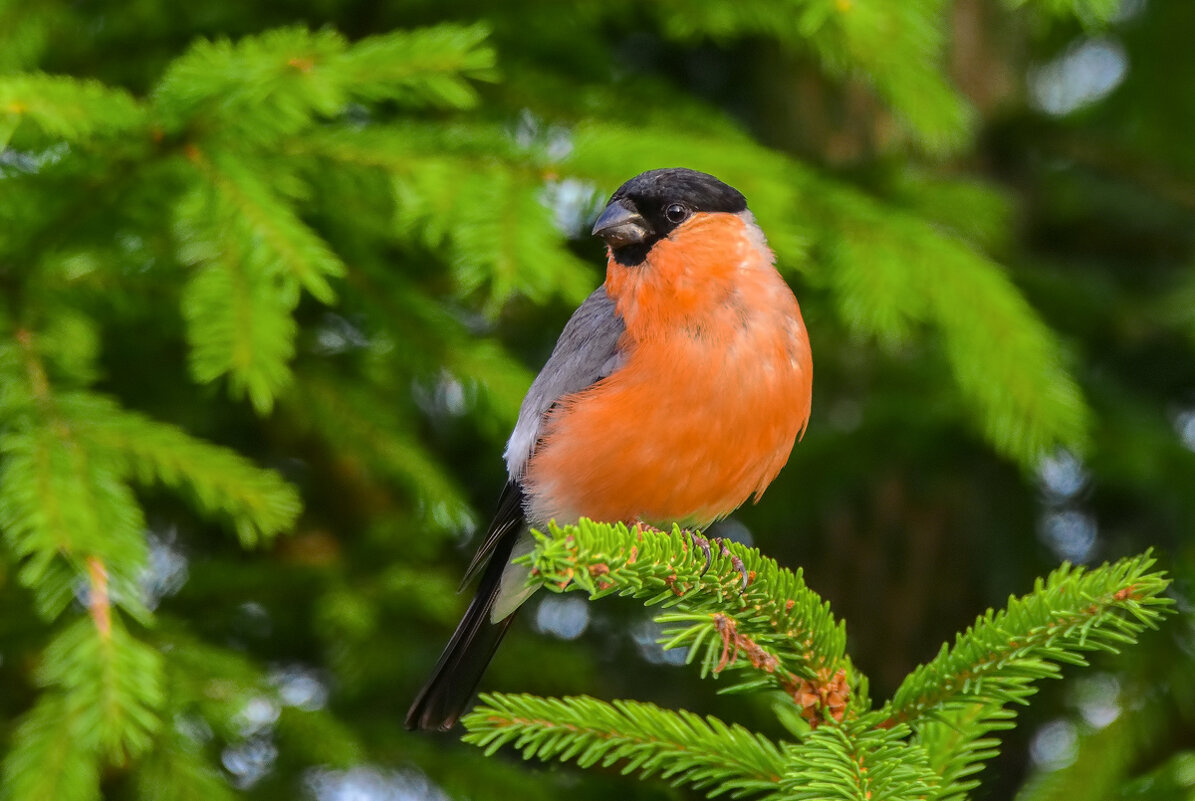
(586, 352)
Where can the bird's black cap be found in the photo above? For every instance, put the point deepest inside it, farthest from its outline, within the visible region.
(699, 190)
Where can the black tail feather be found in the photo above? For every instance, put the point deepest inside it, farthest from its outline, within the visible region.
(454, 679)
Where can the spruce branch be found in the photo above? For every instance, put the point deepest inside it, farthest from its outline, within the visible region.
(111, 684)
(955, 701)
(856, 761)
(61, 504)
(426, 66)
(270, 235)
(1072, 611)
(253, 254)
(896, 48)
(504, 241)
(254, 90)
(958, 743)
(681, 747)
(499, 235)
(265, 87)
(99, 600)
(240, 324)
(49, 761)
(473, 192)
(258, 501)
(777, 631)
(893, 270)
(65, 108)
(63, 349)
(928, 742)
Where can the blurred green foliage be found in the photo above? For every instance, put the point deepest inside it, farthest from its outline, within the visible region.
(252, 253)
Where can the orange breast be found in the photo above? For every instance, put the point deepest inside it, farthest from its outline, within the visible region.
(714, 391)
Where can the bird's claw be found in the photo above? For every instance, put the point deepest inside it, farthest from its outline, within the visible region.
(738, 565)
(704, 544)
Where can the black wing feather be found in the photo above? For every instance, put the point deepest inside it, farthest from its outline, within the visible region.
(508, 518)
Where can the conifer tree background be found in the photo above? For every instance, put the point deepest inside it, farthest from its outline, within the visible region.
(273, 279)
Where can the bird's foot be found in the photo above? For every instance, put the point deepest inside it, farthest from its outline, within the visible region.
(737, 563)
(704, 544)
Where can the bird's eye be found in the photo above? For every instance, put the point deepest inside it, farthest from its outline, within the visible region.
(676, 213)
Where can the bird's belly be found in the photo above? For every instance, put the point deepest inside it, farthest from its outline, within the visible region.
(683, 433)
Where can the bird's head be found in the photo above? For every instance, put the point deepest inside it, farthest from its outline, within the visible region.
(652, 205)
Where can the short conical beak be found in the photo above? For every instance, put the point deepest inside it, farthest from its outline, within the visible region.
(620, 225)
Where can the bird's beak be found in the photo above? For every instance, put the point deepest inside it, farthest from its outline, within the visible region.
(620, 225)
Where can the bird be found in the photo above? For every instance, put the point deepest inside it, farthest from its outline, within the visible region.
(675, 392)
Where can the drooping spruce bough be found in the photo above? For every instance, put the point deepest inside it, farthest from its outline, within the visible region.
(927, 742)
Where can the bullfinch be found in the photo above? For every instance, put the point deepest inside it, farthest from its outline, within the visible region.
(675, 393)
